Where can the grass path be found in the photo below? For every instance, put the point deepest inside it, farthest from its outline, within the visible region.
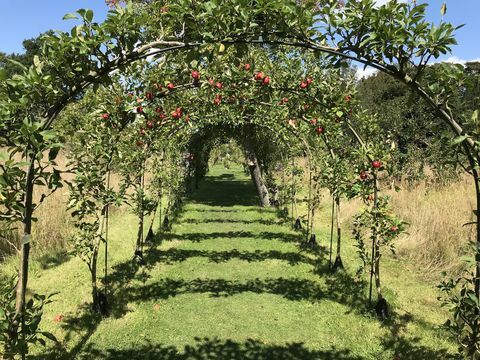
(230, 282)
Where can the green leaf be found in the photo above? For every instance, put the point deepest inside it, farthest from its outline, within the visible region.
(48, 134)
(443, 9)
(18, 63)
(70, 16)
(37, 62)
(475, 116)
(459, 139)
(89, 15)
(49, 336)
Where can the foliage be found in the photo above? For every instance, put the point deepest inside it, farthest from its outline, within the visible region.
(159, 104)
(459, 296)
(29, 333)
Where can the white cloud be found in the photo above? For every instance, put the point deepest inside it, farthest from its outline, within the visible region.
(365, 73)
(456, 60)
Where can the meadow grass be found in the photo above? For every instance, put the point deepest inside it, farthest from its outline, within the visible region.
(232, 281)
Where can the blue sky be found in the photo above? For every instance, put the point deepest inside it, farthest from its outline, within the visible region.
(23, 19)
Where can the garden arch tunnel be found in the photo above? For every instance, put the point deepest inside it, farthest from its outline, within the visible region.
(71, 63)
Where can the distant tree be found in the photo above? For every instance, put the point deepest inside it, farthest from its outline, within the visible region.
(409, 124)
(32, 47)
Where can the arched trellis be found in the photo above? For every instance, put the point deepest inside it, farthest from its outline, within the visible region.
(360, 48)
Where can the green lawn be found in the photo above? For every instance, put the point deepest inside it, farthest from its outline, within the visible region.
(231, 282)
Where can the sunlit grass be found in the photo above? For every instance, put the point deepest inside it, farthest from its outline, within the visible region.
(231, 282)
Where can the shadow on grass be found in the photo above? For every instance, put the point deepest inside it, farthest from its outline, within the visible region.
(264, 235)
(233, 221)
(51, 260)
(216, 349)
(127, 283)
(410, 348)
(294, 289)
(174, 255)
(223, 191)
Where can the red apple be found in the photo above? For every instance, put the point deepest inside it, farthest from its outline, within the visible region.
(309, 80)
(170, 86)
(105, 116)
(285, 100)
(140, 109)
(363, 175)
(320, 130)
(303, 85)
(247, 66)
(219, 85)
(150, 124)
(150, 96)
(177, 114)
(195, 74)
(259, 76)
(266, 80)
(211, 82)
(313, 121)
(376, 164)
(394, 228)
(142, 132)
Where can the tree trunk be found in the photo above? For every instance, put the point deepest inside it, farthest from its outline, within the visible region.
(138, 247)
(24, 255)
(139, 244)
(254, 168)
(331, 231)
(93, 279)
(377, 271)
(256, 175)
(309, 207)
(374, 237)
(475, 334)
(338, 259)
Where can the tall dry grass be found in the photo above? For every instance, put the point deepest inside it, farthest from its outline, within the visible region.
(53, 228)
(436, 237)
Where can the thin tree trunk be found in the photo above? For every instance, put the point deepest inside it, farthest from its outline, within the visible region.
(477, 255)
(338, 259)
(93, 279)
(374, 235)
(24, 255)
(331, 230)
(107, 210)
(309, 207)
(377, 271)
(339, 228)
(139, 244)
(293, 189)
(94, 262)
